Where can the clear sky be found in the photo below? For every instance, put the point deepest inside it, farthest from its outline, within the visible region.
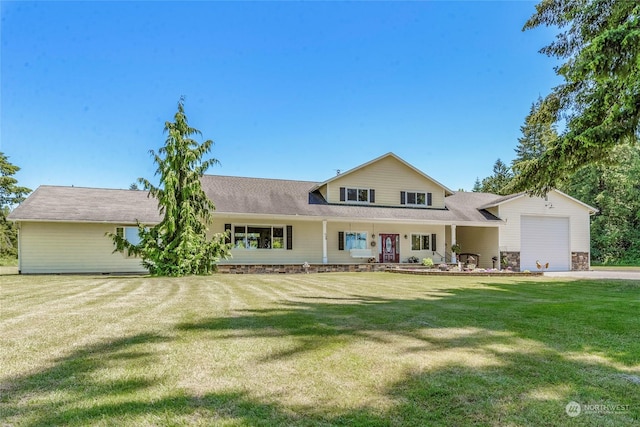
(291, 90)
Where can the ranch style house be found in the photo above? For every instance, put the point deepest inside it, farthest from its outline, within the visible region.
(382, 212)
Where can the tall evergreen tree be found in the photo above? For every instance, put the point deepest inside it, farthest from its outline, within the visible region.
(599, 99)
(477, 186)
(496, 183)
(10, 194)
(535, 139)
(178, 245)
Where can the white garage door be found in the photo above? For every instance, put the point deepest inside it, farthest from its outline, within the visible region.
(544, 239)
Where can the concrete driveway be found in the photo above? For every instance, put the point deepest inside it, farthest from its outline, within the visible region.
(597, 274)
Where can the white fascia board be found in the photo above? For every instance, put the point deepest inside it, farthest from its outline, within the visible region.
(67, 221)
(321, 218)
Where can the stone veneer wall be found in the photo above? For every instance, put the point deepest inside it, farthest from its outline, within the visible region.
(580, 261)
(513, 260)
(298, 268)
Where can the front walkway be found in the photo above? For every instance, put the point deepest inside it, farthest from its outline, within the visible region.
(5, 271)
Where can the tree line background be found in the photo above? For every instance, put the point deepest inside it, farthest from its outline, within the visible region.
(611, 185)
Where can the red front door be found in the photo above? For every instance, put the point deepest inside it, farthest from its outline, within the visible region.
(390, 244)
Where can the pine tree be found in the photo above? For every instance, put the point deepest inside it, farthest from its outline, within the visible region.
(599, 99)
(10, 194)
(496, 183)
(178, 245)
(477, 186)
(535, 139)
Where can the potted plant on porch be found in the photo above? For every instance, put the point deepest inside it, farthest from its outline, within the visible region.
(456, 248)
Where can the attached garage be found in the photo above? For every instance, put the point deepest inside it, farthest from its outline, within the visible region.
(552, 229)
(545, 239)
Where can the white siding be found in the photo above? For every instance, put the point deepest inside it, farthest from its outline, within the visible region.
(388, 177)
(307, 242)
(556, 205)
(71, 248)
(338, 256)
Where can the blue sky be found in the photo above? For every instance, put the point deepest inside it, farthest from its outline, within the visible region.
(291, 90)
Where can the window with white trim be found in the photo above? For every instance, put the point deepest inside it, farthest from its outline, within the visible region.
(420, 242)
(130, 234)
(357, 195)
(415, 198)
(355, 240)
(258, 237)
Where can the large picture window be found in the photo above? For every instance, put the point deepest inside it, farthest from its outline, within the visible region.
(355, 240)
(258, 237)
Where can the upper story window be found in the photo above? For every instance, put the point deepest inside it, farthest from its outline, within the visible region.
(416, 198)
(357, 195)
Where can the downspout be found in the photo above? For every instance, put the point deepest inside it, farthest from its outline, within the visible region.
(325, 259)
(453, 242)
(19, 247)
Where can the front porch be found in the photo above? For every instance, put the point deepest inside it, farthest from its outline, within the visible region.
(339, 245)
(482, 242)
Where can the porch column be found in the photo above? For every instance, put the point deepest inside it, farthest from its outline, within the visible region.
(325, 259)
(453, 242)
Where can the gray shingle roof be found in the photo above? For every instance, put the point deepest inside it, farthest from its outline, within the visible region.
(79, 204)
(500, 199)
(236, 195)
(467, 206)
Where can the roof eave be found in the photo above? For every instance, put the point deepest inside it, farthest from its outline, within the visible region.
(84, 221)
(299, 217)
(507, 199)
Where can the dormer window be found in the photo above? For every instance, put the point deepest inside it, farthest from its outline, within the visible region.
(415, 198)
(357, 195)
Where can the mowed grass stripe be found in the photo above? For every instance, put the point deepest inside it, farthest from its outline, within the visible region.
(319, 349)
(46, 291)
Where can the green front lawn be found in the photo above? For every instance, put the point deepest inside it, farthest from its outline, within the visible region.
(370, 349)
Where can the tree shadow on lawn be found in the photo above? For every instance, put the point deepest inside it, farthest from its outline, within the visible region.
(583, 316)
(527, 386)
(42, 394)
